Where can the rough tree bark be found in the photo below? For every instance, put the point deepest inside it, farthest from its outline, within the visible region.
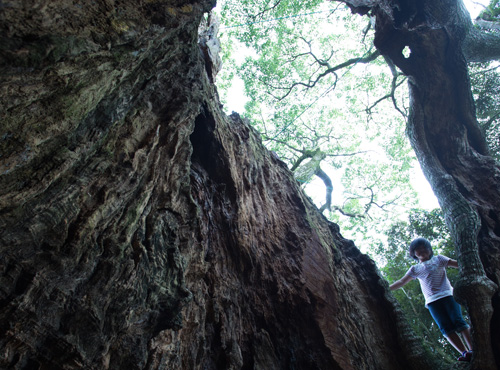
(449, 144)
(141, 228)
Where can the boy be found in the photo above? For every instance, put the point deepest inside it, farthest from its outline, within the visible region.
(438, 293)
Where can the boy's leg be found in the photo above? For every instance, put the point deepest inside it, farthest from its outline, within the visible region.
(459, 325)
(446, 313)
(467, 338)
(456, 342)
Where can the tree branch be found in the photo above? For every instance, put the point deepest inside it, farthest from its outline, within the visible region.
(487, 24)
(287, 145)
(481, 46)
(488, 123)
(331, 70)
(260, 14)
(354, 215)
(329, 188)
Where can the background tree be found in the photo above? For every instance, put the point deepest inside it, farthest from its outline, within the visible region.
(450, 145)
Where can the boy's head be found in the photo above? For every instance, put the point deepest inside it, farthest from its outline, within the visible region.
(420, 242)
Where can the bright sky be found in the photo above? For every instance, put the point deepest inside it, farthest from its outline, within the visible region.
(236, 99)
(236, 102)
(475, 6)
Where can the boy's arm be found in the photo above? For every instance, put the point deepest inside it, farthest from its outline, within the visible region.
(401, 282)
(452, 263)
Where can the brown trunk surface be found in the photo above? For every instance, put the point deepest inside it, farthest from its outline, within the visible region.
(141, 228)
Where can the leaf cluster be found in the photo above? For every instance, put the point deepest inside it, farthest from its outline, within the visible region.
(491, 12)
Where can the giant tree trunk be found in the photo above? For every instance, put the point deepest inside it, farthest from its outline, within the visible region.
(141, 228)
(451, 149)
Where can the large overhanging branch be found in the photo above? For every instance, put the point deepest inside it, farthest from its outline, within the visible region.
(329, 188)
(304, 173)
(487, 24)
(480, 46)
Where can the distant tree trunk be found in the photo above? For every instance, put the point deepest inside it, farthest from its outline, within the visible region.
(449, 144)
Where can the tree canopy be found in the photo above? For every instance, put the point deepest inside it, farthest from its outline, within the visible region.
(324, 102)
(331, 107)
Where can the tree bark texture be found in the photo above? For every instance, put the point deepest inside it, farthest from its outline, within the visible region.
(142, 228)
(451, 149)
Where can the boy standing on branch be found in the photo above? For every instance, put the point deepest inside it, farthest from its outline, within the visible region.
(438, 293)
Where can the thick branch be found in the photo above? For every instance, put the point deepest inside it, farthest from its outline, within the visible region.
(487, 25)
(305, 155)
(329, 188)
(480, 46)
(354, 215)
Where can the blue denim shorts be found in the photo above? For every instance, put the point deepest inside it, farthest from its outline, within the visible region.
(447, 314)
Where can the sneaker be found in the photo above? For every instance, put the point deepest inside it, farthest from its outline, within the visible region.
(466, 356)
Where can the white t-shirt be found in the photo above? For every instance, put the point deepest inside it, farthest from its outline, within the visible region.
(432, 277)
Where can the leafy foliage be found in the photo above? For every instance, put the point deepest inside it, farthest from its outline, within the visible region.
(331, 107)
(491, 12)
(314, 88)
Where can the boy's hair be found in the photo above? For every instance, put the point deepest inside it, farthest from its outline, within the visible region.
(420, 242)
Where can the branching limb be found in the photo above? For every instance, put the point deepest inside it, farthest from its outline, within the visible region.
(304, 152)
(317, 136)
(481, 46)
(369, 26)
(389, 95)
(394, 85)
(328, 71)
(329, 188)
(485, 70)
(348, 154)
(354, 215)
(488, 123)
(487, 24)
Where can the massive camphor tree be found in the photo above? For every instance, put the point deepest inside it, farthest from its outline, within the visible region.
(142, 228)
(449, 144)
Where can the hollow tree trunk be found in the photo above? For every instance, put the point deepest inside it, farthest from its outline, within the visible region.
(141, 228)
(451, 149)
